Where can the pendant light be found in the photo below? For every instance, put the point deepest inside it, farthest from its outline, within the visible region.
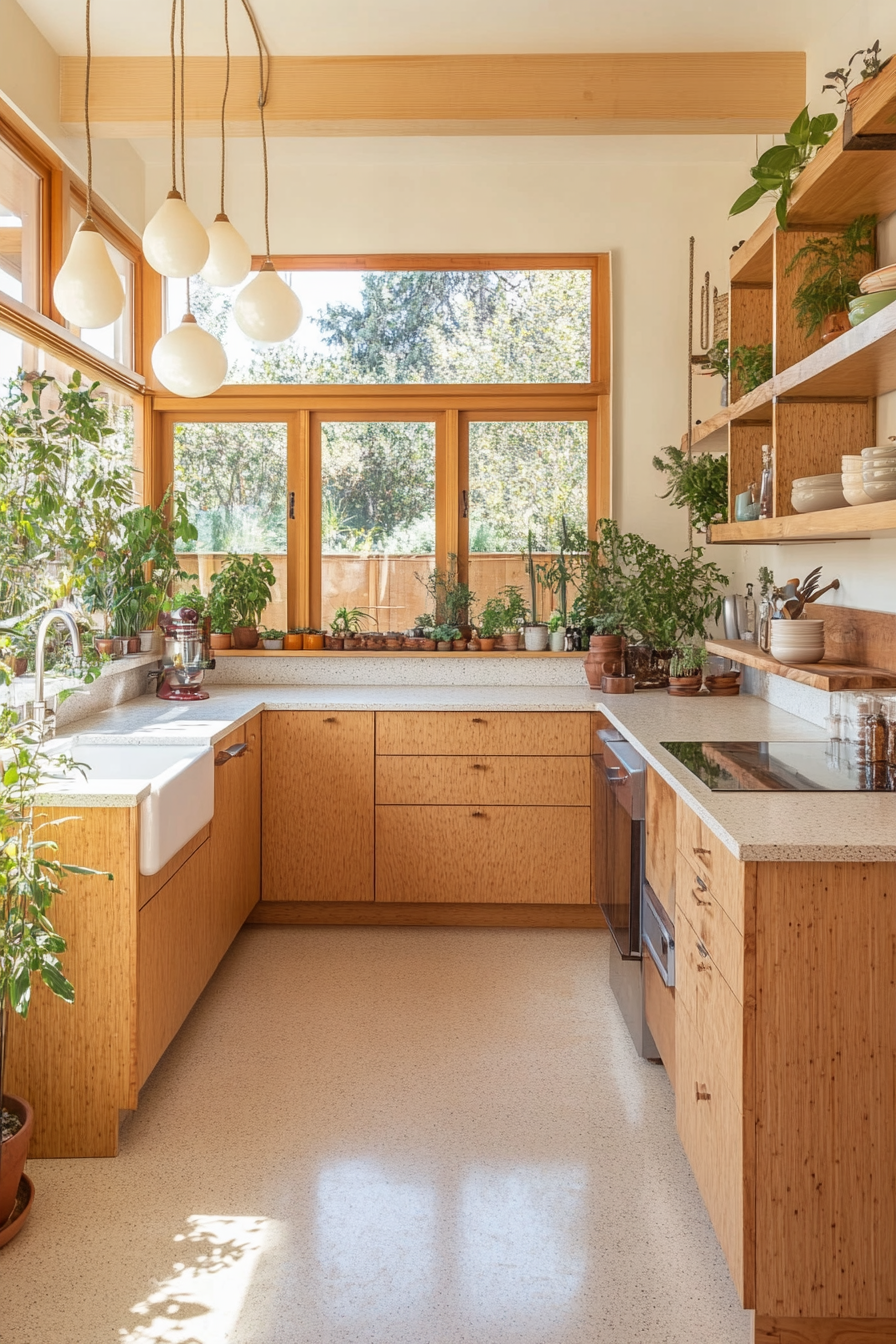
(267, 310)
(174, 242)
(229, 258)
(87, 290)
(188, 360)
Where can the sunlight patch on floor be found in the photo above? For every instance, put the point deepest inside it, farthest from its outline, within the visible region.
(201, 1300)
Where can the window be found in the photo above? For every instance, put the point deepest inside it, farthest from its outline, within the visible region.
(427, 326)
(458, 405)
(116, 340)
(378, 517)
(20, 229)
(233, 473)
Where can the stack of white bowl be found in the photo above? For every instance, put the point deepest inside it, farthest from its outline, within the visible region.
(798, 642)
(808, 494)
(879, 473)
(853, 480)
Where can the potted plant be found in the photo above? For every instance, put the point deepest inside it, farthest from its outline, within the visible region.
(220, 615)
(272, 640)
(834, 266)
(451, 599)
(557, 631)
(686, 669)
(842, 79)
(535, 632)
(346, 625)
(31, 878)
(698, 483)
(247, 585)
(778, 168)
(313, 640)
(490, 623)
(148, 559)
(669, 601)
(445, 636)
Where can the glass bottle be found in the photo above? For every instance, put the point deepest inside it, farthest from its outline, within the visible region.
(766, 489)
(749, 630)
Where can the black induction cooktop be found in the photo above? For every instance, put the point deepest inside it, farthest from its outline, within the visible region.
(782, 767)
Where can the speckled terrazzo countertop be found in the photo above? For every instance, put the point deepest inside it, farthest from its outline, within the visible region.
(808, 827)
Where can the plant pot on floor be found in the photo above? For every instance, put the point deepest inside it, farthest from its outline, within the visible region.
(245, 636)
(536, 638)
(220, 641)
(15, 1151)
(510, 640)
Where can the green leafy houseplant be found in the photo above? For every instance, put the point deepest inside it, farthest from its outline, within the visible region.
(831, 277)
(842, 78)
(272, 634)
(451, 599)
(561, 574)
(445, 633)
(148, 537)
(514, 607)
(247, 585)
(752, 365)
(220, 611)
(31, 876)
(348, 620)
(716, 358)
(778, 168)
(490, 623)
(699, 483)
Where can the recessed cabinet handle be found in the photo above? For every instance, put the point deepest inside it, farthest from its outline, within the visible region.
(479, 720)
(701, 948)
(330, 720)
(477, 766)
(702, 1094)
(477, 814)
(230, 753)
(697, 850)
(700, 883)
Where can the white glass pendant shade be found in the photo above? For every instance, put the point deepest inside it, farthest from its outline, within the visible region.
(267, 310)
(88, 291)
(229, 258)
(190, 361)
(174, 242)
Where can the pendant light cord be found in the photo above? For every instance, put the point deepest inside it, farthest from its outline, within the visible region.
(264, 77)
(173, 100)
(224, 103)
(87, 115)
(183, 106)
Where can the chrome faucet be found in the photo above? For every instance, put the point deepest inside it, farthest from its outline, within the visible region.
(39, 708)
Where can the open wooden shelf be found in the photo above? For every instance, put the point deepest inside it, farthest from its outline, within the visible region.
(846, 524)
(494, 655)
(824, 676)
(839, 184)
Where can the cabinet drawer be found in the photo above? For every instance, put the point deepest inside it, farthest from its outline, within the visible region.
(527, 781)
(724, 942)
(528, 855)
(710, 1002)
(480, 734)
(710, 1127)
(720, 870)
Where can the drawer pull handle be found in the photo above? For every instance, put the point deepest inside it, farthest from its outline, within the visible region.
(700, 883)
(330, 720)
(702, 1094)
(697, 900)
(477, 766)
(231, 753)
(707, 852)
(477, 814)
(479, 720)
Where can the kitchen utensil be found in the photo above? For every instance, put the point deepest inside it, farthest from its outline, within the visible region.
(729, 617)
(185, 656)
(867, 305)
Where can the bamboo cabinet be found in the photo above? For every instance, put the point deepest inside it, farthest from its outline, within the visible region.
(785, 1079)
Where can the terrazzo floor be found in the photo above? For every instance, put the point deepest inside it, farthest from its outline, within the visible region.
(385, 1136)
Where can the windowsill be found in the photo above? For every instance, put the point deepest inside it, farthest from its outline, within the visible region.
(21, 689)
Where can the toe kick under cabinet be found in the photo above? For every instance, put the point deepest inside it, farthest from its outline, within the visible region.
(431, 807)
(785, 1081)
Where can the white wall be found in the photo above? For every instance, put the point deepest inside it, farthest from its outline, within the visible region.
(638, 198)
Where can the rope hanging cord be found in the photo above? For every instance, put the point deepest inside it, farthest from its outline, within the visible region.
(87, 116)
(224, 102)
(264, 76)
(183, 110)
(173, 99)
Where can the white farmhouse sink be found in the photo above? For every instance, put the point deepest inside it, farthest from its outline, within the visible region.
(180, 801)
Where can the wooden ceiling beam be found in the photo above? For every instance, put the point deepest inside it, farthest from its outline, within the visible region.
(587, 94)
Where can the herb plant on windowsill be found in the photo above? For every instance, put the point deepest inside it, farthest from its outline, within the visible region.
(247, 587)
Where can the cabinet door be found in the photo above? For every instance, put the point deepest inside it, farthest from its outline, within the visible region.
(236, 825)
(179, 944)
(317, 812)
(534, 855)
(660, 846)
(456, 733)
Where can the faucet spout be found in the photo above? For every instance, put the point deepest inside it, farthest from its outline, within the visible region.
(39, 708)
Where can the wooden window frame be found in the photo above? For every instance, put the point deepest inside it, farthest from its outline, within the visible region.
(452, 407)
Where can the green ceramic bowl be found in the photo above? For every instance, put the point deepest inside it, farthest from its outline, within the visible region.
(866, 305)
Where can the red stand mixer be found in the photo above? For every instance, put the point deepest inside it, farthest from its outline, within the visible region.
(185, 658)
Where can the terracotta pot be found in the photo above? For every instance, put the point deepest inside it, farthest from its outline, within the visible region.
(133, 644)
(510, 640)
(294, 642)
(333, 642)
(217, 640)
(428, 644)
(723, 679)
(15, 1151)
(104, 646)
(245, 636)
(459, 645)
(444, 646)
(834, 325)
(486, 644)
(394, 644)
(617, 685)
(313, 642)
(352, 642)
(609, 645)
(685, 685)
(597, 666)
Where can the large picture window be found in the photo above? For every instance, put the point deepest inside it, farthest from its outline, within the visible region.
(20, 228)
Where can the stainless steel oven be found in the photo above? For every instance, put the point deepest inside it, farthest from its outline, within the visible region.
(619, 788)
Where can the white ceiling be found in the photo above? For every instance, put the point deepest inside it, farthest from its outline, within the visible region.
(359, 27)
